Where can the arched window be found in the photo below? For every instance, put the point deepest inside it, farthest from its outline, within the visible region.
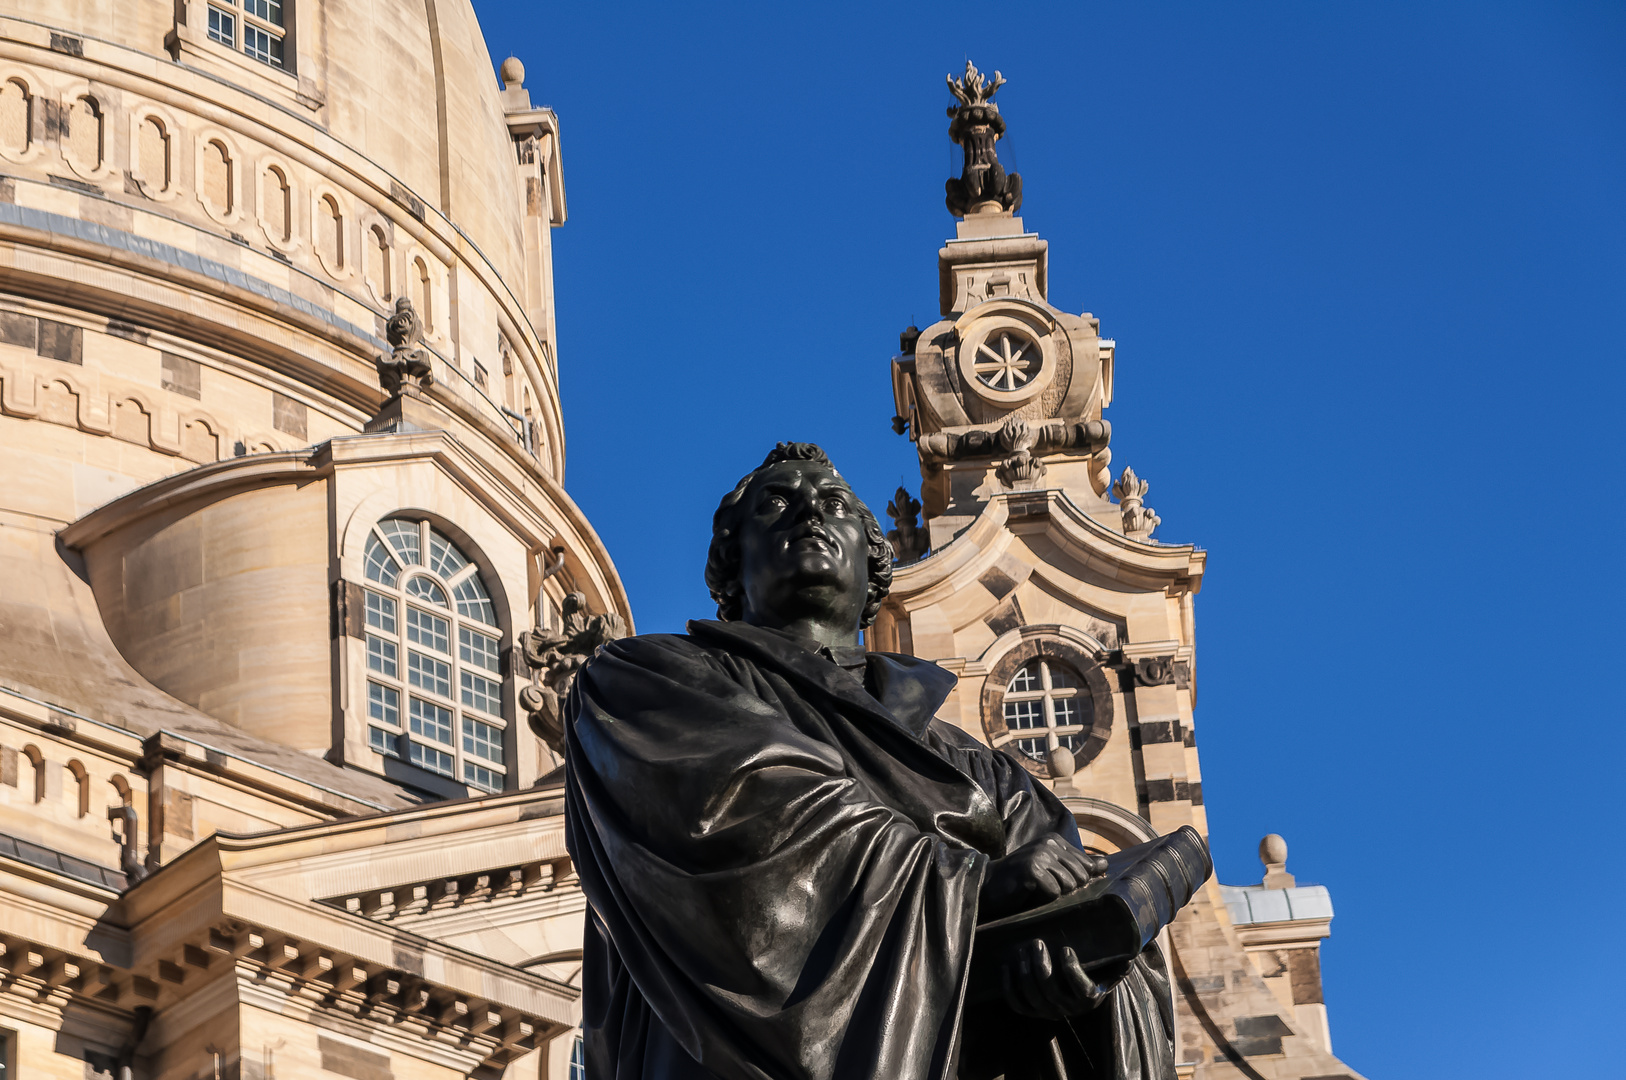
(330, 232)
(37, 761)
(85, 134)
(277, 204)
(378, 262)
(421, 293)
(217, 178)
(152, 154)
(81, 780)
(1047, 705)
(16, 116)
(434, 685)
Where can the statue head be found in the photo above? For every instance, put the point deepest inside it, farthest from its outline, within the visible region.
(793, 542)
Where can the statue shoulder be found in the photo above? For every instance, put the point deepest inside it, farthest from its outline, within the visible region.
(657, 651)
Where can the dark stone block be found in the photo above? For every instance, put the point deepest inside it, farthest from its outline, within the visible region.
(1304, 976)
(1160, 791)
(1007, 618)
(126, 331)
(352, 1061)
(1195, 792)
(288, 415)
(59, 341)
(18, 329)
(1159, 731)
(997, 582)
(1258, 1046)
(62, 43)
(1260, 1026)
(182, 376)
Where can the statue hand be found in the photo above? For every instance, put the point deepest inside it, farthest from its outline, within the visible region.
(1035, 985)
(1035, 874)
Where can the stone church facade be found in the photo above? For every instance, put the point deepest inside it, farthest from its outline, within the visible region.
(287, 562)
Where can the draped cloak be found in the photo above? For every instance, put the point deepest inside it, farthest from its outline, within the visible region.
(782, 860)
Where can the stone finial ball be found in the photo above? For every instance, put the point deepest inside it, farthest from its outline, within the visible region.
(1062, 763)
(512, 72)
(1273, 849)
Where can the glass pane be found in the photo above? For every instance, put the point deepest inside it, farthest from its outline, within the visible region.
(481, 777)
(1066, 711)
(431, 721)
(1061, 678)
(381, 613)
(381, 656)
(1074, 743)
(430, 631)
(482, 740)
(444, 558)
(1033, 748)
(427, 757)
(481, 693)
(427, 673)
(269, 10)
(384, 704)
(380, 567)
(1024, 714)
(384, 742)
(477, 649)
(427, 590)
(222, 27)
(403, 537)
(578, 1060)
(1026, 679)
(261, 45)
(473, 602)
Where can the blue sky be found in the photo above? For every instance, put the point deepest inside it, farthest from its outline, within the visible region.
(1365, 267)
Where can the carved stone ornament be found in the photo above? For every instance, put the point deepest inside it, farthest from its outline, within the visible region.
(554, 657)
(1050, 437)
(1154, 671)
(975, 124)
(1018, 468)
(406, 361)
(907, 538)
(1139, 519)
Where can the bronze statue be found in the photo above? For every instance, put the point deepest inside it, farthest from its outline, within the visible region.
(787, 857)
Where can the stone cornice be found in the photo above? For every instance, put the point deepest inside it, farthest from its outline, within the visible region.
(507, 499)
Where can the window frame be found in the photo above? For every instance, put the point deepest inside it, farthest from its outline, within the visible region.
(438, 651)
(243, 21)
(1047, 694)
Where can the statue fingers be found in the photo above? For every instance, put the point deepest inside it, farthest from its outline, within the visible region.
(1084, 992)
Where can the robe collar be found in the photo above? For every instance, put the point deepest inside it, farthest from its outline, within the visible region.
(904, 690)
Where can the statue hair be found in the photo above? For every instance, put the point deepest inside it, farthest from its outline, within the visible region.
(723, 560)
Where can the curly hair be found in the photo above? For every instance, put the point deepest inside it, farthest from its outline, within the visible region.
(723, 560)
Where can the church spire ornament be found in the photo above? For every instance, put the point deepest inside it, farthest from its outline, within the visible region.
(983, 185)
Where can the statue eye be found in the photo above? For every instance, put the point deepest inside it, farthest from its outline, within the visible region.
(835, 504)
(774, 502)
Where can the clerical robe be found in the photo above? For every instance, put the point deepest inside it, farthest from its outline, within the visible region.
(782, 858)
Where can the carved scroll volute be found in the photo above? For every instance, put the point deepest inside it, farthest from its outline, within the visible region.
(554, 657)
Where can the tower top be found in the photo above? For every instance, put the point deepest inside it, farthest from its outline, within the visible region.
(983, 186)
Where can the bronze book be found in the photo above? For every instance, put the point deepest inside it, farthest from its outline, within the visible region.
(1109, 920)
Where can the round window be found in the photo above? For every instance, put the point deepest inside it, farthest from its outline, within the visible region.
(1007, 360)
(1047, 705)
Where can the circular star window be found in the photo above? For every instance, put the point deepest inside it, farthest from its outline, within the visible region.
(1007, 360)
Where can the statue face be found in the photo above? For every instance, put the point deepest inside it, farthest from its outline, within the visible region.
(803, 552)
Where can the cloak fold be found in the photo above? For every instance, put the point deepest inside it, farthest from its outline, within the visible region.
(782, 862)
